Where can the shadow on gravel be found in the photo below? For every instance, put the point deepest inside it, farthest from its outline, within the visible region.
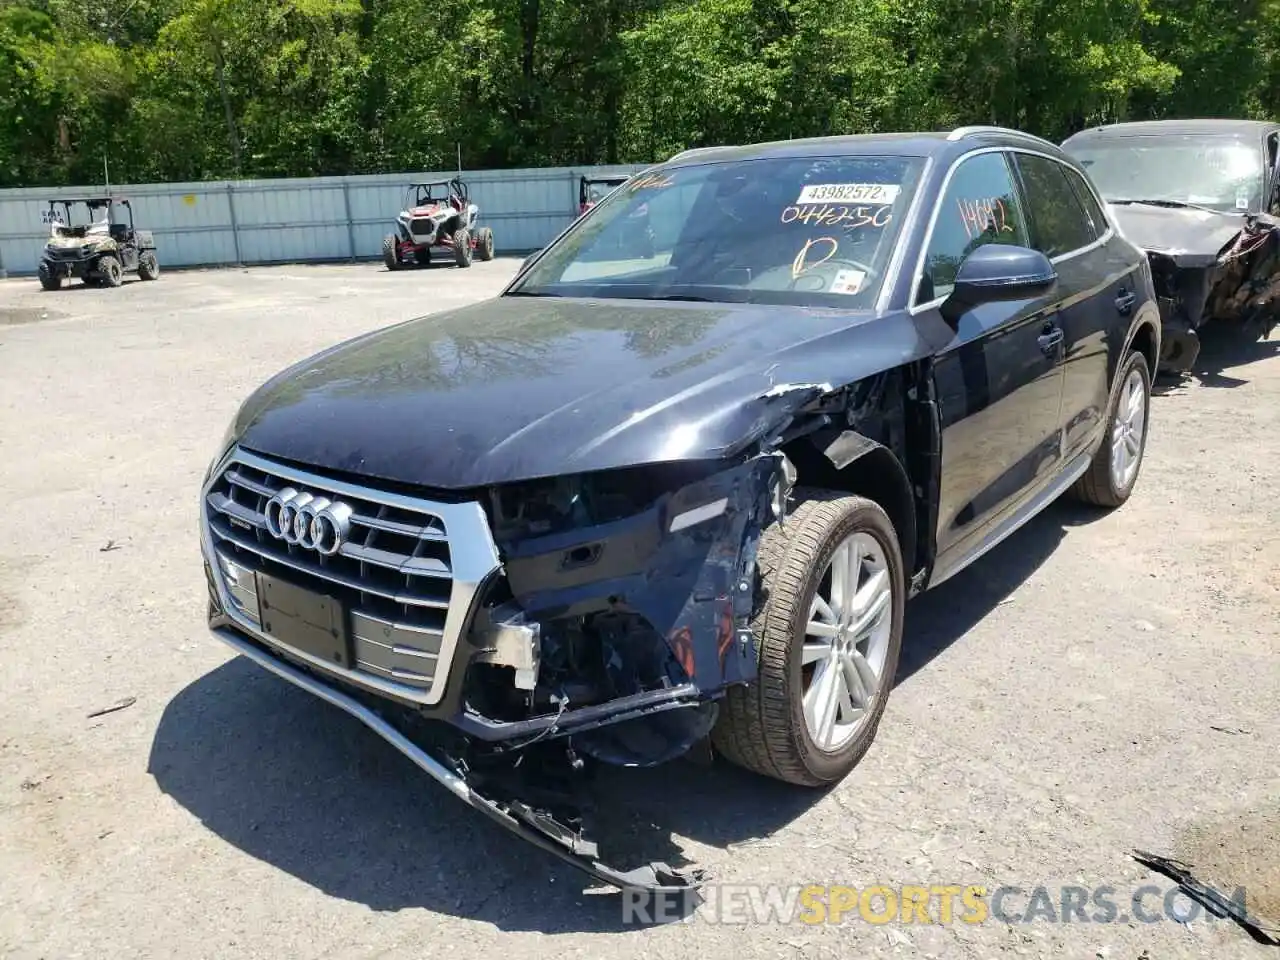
(1222, 347)
(939, 617)
(306, 788)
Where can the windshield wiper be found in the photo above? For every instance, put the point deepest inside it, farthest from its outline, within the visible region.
(1180, 205)
(530, 293)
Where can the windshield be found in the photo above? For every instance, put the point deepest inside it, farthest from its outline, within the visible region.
(1222, 172)
(426, 194)
(64, 221)
(812, 230)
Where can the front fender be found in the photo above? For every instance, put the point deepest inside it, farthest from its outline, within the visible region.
(1147, 317)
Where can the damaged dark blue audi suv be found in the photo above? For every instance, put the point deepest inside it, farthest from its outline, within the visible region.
(673, 488)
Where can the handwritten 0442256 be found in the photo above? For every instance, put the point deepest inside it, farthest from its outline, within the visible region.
(828, 215)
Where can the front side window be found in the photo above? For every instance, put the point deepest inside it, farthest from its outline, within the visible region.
(979, 206)
(1059, 223)
(1219, 171)
(802, 230)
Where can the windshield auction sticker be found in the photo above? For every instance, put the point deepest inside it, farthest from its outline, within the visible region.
(885, 193)
(848, 281)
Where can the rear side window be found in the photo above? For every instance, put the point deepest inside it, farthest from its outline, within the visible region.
(1089, 201)
(1059, 223)
(979, 207)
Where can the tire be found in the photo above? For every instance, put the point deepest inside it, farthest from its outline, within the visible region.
(390, 252)
(484, 247)
(148, 266)
(762, 726)
(1106, 484)
(462, 247)
(47, 281)
(109, 272)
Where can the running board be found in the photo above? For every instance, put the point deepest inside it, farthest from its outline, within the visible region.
(1064, 480)
(531, 824)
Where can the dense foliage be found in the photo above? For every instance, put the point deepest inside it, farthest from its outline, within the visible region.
(200, 89)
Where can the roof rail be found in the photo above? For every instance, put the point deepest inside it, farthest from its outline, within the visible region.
(959, 133)
(694, 151)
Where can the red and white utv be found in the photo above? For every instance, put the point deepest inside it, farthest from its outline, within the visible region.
(439, 215)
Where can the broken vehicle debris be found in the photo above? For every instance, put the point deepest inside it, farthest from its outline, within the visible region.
(1200, 196)
(659, 496)
(1218, 903)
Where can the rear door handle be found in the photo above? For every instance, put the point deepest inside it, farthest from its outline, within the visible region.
(1125, 302)
(1050, 339)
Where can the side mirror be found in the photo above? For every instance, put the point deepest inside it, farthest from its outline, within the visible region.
(996, 272)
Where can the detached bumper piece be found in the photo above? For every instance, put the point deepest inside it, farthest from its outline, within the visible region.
(537, 826)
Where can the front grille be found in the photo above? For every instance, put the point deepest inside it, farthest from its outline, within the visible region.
(64, 253)
(406, 572)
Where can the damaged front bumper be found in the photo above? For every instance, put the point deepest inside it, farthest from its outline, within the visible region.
(1238, 284)
(77, 267)
(656, 602)
(536, 826)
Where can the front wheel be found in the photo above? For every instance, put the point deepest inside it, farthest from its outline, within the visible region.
(47, 280)
(110, 273)
(828, 638)
(1114, 471)
(462, 247)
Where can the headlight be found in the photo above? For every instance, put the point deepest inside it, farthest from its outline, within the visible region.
(228, 439)
(544, 507)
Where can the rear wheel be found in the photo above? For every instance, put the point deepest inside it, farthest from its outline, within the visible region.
(148, 265)
(462, 247)
(484, 243)
(391, 252)
(47, 280)
(828, 635)
(109, 272)
(1114, 471)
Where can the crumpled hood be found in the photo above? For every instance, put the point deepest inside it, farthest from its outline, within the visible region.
(521, 387)
(1193, 238)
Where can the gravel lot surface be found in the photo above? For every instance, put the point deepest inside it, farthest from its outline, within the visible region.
(1098, 683)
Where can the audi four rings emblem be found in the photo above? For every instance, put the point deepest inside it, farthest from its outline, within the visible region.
(308, 521)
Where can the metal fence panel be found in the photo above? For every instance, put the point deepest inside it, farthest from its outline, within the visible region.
(299, 220)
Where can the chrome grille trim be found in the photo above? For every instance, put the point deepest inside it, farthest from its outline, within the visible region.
(317, 571)
(392, 527)
(407, 599)
(234, 476)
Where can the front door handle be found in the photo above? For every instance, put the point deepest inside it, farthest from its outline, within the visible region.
(1125, 301)
(1050, 340)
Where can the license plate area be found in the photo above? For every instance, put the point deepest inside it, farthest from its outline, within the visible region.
(308, 622)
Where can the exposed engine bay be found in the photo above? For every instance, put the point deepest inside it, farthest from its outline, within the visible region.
(1240, 285)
